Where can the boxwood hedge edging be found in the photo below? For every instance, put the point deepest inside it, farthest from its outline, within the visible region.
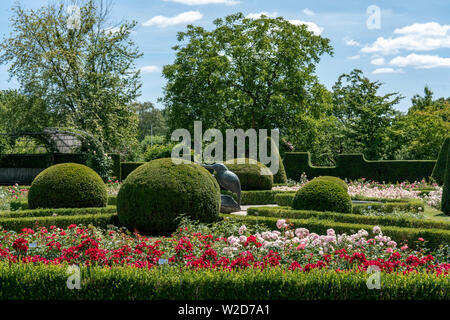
(48, 282)
(288, 213)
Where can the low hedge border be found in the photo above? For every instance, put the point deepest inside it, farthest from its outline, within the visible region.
(411, 205)
(98, 220)
(434, 238)
(56, 212)
(48, 282)
(286, 212)
(17, 205)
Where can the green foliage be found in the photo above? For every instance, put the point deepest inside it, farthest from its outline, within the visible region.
(67, 185)
(56, 212)
(434, 238)
(43, 282)
(251, 174)
(253, 197)
(438, 173)
(288, 213)
(363, 114)
(384, 205)
(158, 151)
(445, 202)
(280, 175)
(340, 182)
(99, 220)
(127, 167)
(322, 195)
(245, 73)
(154, 195)
(152, 121)
(355, 166)
(86, 77)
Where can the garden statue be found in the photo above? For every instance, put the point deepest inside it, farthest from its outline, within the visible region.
(229, 181)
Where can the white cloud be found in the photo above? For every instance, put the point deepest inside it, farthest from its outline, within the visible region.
(182, 18)
(314, 28)
(354, 57)
(112, 30)
(420, 61)
(351, 42)
(150, 69)
(387, 70)
(203, 2)
(259, 14)
(308, 12)
(424, 29)
(377, 61)
(416, 37)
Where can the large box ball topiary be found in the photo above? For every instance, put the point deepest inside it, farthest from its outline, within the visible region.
(67, 185)
(158, 192)
(322, 195)
(337, 180)
(251, 174)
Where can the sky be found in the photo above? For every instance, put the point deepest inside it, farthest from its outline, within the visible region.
(403, 44)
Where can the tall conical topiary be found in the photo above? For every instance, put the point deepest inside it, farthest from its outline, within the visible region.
(445, 202)
(439, 168)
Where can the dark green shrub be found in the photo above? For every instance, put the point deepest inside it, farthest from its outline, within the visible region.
(445, 202)
(101, 220)
(288, 213)
(280, 175)
(158, 192)
(439, 168)
(57, 212)
(158, 151)
(251, 175)
(27, 281)
(322, 195)
(355, 166)
(128, 167)
(67, 185)
(337, 180)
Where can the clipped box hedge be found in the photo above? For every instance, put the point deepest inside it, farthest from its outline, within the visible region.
(411, 205)
(434, 238)
(127, 167)
(288, 213)
(99, 220)
(355, 166)
(49, 282)
(56, 212)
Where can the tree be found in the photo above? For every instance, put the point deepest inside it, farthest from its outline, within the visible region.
(151, 120)
(419, 133)
(79, 65)
(246, 73)
(364, 116)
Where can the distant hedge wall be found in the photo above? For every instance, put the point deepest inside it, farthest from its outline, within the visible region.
(41, 161)
(127, 167)
(355, 166)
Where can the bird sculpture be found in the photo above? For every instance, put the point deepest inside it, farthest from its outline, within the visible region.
(227, 180)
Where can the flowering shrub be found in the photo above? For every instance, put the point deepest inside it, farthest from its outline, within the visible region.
(293, 249)
(11, 193)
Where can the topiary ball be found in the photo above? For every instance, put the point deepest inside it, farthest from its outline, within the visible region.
(322, 195)
(154, 195)
(250, 175)
(67, 185)
(337, 180)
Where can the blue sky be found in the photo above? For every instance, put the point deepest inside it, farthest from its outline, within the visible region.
(410, 49)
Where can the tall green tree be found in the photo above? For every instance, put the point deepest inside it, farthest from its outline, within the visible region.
(78, 64)
(419, 133)
(245, 73)
(363, 114)
(151, 120)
